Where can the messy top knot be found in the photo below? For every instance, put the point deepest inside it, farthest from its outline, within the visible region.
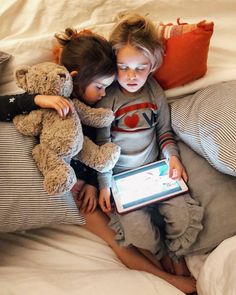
(139, 32)
(64, 37)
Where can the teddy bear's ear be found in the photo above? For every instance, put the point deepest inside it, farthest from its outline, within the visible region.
(20, 76)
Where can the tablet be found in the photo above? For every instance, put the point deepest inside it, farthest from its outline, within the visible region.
(145, 185)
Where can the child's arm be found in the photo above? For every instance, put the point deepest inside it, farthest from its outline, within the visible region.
(12, 105)
(87, 198)
(105, 199)
(59, 103)
(86, 195)
(103, 135)
(176, 169)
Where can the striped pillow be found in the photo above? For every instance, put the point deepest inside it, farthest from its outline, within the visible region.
(206, 121)
(23, 202)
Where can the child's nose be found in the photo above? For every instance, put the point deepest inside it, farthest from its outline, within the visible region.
(131, 74)
(103, 92)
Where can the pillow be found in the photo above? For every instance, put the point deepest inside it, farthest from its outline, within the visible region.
(4, 57)
(216, 193)
(23, 202)
(206, 121)
(186, 52)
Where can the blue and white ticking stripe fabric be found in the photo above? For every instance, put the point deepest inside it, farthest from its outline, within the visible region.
(206, 121)
(23, 202)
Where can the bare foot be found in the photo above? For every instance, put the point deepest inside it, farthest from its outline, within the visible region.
(184, 284)
(167, 264)
(175, 267)
(181, 268)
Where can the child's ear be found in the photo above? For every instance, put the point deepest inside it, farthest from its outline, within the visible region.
(73, 74)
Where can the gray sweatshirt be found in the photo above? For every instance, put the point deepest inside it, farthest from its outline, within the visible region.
(141, 128)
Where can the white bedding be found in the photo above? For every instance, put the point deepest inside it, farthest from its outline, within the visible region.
(218, 274)
(67, 259)
(27, 26)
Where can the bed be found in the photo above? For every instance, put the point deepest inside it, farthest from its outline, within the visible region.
(43, 249)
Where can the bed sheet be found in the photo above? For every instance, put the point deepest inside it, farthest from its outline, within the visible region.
(218, 273)
(27, 29)
(215, 272)
(67, 259)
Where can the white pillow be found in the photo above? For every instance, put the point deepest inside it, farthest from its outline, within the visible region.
(206, 121)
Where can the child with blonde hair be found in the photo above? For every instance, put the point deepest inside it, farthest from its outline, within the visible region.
(142, 129)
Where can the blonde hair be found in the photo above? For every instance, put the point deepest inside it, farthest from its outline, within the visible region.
(141, 33)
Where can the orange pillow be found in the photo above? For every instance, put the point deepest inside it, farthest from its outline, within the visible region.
(186, 51)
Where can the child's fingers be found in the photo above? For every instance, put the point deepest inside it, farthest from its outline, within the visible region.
(63, 107)
(89, 205)
(104, 206)
(108, 205)
(171, 172)
(185, 175)
(92, 205)
(85, 203)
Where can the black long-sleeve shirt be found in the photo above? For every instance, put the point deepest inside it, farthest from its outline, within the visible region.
(12, 105)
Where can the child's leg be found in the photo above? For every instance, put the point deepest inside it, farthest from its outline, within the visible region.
(183, 216)
(97, 223)
(136, 228)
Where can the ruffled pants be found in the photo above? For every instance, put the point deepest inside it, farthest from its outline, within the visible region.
(171, 226)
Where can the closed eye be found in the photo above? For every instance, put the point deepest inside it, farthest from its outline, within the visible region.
(122, 67)
(140, 68)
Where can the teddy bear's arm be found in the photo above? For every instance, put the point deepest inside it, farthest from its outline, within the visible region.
(101, 158)
(30, 124)
(95, 117)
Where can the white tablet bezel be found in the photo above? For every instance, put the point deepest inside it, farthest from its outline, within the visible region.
(148, 199)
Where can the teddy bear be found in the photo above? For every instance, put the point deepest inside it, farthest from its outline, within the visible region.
(62, 139)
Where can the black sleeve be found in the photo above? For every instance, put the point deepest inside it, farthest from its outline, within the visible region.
(84, 172)
(92, 177)
(12, 105)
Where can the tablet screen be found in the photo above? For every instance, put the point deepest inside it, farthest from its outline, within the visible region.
(144, 185)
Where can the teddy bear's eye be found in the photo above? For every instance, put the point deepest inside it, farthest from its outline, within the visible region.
(62, 76)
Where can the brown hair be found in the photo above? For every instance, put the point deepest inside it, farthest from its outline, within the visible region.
(141, 33)
(87, 53)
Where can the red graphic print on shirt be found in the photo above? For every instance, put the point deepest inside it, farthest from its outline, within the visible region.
(131, 121)
(135, 117)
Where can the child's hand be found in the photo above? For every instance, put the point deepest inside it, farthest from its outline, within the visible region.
(176, 169)
(59, 103)
(104, 199)
(87, 198)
